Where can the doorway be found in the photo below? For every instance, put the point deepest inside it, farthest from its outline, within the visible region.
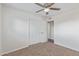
(51, 31)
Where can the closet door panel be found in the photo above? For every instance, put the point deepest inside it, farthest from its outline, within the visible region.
(34, 30)
(15, 29)
(37, 30)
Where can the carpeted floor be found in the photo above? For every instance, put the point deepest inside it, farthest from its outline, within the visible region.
(44, 49)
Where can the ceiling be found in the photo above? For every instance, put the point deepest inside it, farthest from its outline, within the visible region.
(31, 7)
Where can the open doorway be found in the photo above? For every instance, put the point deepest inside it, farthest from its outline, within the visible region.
(51, 31)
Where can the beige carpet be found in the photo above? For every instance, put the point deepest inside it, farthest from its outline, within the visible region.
(44, 49)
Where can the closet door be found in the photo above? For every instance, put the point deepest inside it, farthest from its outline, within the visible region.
(15, 29)
(37, 30)
(34, 30)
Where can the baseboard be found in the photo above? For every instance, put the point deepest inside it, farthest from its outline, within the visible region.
(13, 50)
(66, 46)
(20, 48)
(44, 41)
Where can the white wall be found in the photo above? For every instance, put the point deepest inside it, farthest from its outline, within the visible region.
(21, 29)
(66, 31)
(0, 26)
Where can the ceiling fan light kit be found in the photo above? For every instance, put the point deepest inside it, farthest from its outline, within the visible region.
(46, 7)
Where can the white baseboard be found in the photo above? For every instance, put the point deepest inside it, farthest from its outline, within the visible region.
(13, 50)
(21, 47)
(44, 41)
(38, 42)
(67, 46)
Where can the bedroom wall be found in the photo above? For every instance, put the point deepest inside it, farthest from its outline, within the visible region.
(0, 27)
(66, 31)
(21, 29)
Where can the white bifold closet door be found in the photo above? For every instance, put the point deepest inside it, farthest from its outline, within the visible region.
(37, 30)
(15, 29)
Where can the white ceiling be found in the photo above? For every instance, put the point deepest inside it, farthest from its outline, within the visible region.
(31, 7)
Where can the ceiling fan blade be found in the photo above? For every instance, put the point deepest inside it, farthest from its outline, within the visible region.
(40, 5)
(39, 10)
(50, 5)
(55, 8)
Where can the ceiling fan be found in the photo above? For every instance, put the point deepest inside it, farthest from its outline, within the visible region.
(46, 7)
